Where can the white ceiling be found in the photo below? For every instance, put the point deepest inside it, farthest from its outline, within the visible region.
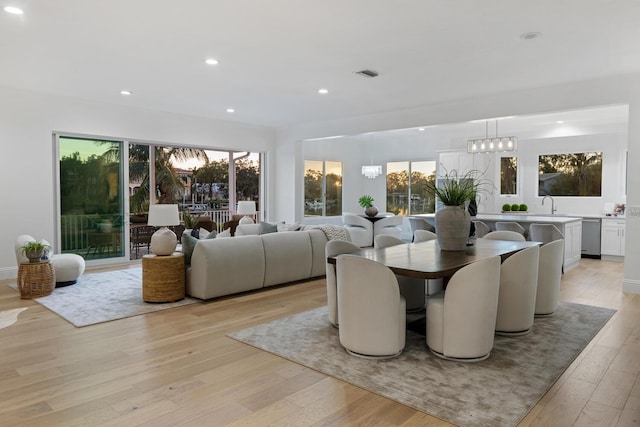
(274, 55)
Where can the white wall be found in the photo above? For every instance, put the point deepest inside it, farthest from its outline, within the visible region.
(584, 94)
(27, 122)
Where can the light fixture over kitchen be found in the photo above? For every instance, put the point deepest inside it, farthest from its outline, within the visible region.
(492, 145)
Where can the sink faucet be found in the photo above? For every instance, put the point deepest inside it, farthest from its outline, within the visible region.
(553, 206)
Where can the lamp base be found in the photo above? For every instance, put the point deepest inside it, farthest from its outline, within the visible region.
(245, 220)
(163, 242)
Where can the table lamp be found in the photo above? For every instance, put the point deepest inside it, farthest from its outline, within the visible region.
(163, 241)
(246, 208)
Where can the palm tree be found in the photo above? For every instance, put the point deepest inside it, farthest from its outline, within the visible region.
(168, 187)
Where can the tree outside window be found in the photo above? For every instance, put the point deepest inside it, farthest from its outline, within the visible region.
(407, 192)
(322, 188)
(508, 175)
(574, 174)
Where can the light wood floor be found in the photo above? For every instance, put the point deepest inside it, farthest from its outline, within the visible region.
(177, 368)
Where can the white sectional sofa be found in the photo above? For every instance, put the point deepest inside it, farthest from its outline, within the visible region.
(224, 266)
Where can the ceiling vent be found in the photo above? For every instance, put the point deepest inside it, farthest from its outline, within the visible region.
(367, 73)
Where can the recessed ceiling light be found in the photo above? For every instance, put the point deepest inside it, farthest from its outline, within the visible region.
(13, 10)
(125, 92)
(212, 61)
(323, 91)
(230, 110)
(560, 122)
(530, 36)
(421, 129)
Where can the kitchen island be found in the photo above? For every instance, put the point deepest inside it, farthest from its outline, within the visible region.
(571, 228)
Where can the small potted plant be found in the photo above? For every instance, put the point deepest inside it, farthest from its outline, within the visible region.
(506, 207)
(34, 250)
(367, 204)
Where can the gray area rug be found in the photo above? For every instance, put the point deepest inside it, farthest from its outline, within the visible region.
(101, 297)
(496, 392)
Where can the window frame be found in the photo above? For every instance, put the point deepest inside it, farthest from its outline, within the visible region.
(499, 180)
(409, 194)
(324, 187)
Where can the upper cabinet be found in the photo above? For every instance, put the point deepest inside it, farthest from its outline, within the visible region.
(463, 162)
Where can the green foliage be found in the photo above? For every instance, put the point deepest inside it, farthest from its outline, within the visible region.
(455, 190)
(34, 246)
(523, 208)
(365, 201)
(506, 207)
(189, 220)
(571, 174)
(515, 207)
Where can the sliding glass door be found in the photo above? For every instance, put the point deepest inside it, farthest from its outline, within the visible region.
(91, 205)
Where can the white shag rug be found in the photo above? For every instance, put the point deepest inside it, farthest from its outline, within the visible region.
(102, 297)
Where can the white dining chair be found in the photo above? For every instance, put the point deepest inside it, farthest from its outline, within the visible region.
(518, 286)
(412, 288)
(549, 278)
(504, 235)
(334, 248)
(461, 320)
(370, 308)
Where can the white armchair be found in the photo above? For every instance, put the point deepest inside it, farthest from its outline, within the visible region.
(360, 229)
(461, 320)
(390, 225)
(370, 308)
(68, 267)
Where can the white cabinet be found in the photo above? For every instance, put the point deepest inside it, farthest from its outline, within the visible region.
(572, 244)
(612, 237)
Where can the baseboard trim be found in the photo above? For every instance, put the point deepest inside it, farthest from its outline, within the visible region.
(7, 273)
(631, 286)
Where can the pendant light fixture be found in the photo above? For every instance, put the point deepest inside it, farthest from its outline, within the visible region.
(492, 145)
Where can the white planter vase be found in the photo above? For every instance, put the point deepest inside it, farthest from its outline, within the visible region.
(452, 228)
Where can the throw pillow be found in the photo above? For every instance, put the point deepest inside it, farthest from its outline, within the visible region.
(288, 227)
(225, 233)
(266, 228)
(48, 251)
(195, 232)
(210, 235)
(203, 233)
(188, 244)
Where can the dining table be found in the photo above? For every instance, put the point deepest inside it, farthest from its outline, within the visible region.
(426, 260)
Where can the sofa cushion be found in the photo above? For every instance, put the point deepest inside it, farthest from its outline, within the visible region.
(226, 266)
(288, 257)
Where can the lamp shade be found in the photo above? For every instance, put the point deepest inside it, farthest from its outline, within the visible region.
(246, 207)
(162, 215)
(163, 241)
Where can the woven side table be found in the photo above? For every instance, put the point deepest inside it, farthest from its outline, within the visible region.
(36, 279)
(163, 277)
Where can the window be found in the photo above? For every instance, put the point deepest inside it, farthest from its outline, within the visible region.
(576, 174)
(322, 188)
(406, 190)
(508, 176)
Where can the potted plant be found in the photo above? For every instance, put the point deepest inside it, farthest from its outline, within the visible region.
(367, 204)
(34, 250)
(453, 221)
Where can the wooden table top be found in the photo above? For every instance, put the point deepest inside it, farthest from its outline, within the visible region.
(426, 260)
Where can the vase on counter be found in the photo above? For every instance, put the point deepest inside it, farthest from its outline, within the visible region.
(452, 228)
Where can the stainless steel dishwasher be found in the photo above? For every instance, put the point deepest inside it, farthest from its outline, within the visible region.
(591, 228)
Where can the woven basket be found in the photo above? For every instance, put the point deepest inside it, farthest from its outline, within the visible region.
(36, 279)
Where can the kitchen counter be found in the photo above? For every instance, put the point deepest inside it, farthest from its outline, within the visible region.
(544, 219)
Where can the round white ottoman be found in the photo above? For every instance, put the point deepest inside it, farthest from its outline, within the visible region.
(68, 268)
